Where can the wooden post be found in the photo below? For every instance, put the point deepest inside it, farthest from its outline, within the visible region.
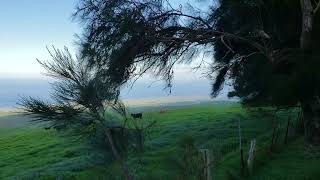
(251, 155)
(207, 163)
(117, 155)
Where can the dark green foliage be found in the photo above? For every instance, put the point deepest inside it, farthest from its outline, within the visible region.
(267, 49)
(287, 76)
(125, 38)
(81, 98)
(83, 101)
(255, 43)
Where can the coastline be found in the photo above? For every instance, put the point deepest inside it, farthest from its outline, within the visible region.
(139, 102)
(164, 100)
(8, 111)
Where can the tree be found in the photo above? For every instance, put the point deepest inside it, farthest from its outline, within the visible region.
(290, 77)
(82, 99)
(127, 38)
(266, 47)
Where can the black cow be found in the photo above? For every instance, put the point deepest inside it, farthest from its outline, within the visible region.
(136, 115)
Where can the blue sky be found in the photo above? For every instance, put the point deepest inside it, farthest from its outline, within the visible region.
(27, 27)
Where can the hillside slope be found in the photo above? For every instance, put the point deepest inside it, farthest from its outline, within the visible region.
(33, 153)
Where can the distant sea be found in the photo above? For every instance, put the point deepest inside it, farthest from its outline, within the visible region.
(11, 90)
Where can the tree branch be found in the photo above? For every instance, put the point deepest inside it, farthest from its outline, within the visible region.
(317, 8)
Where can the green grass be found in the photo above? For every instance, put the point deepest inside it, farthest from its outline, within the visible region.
(34, 153)
(37, 153)
(213, 127)
(292, 163)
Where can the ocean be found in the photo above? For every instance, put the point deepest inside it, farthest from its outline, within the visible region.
(11, 90)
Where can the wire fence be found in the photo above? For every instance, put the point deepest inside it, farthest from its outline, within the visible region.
(287, 126)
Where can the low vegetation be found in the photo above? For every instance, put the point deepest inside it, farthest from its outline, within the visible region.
(35, 153)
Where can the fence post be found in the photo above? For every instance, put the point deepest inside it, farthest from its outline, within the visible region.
(207, 163)
(251, 155)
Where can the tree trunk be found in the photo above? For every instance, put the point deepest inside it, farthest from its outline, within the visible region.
(141, 140)
(118, 156)
(311, 116)
(307, 24)
(310, 108)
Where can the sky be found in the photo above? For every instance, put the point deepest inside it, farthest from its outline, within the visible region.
(27, 27)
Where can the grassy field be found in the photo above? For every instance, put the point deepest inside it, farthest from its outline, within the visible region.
(29, 152)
